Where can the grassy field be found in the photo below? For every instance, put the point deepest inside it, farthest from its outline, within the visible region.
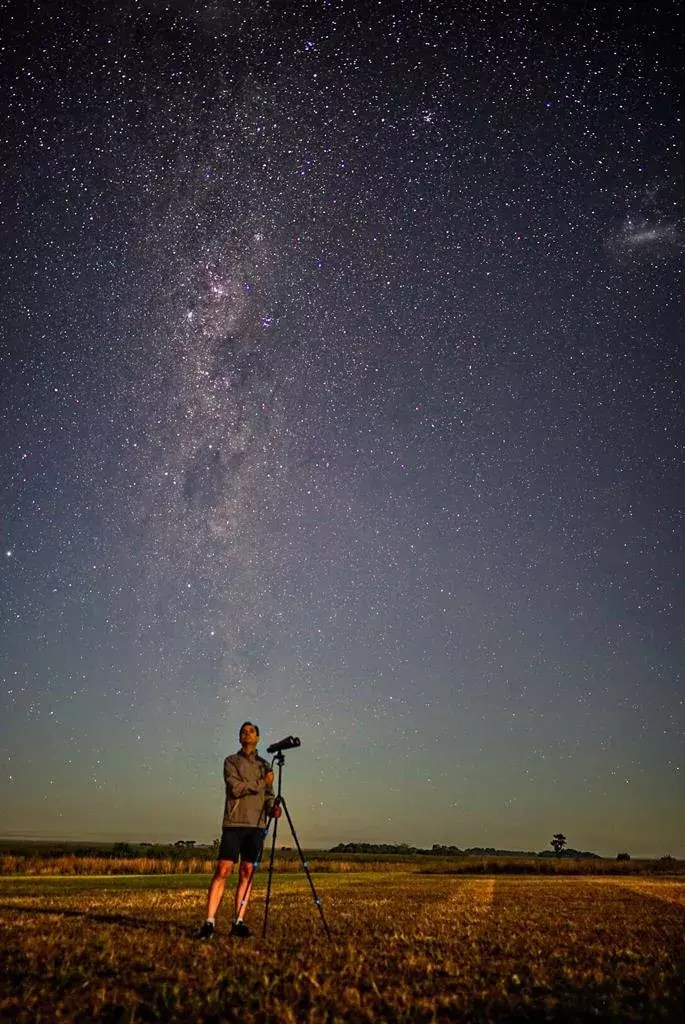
(406, 947)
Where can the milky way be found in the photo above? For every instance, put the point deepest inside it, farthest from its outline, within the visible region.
(341, 393)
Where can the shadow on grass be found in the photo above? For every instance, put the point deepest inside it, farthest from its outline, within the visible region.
(147, 925)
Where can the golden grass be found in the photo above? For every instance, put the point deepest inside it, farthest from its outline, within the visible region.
(72, 864)
(77, 865)
(406, 948)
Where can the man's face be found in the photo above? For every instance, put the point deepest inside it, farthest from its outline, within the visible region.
(249, 737)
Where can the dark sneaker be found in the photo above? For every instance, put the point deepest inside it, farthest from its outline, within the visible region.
(206, 932)
(240, 930)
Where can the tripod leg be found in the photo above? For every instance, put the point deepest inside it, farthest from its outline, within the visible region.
(268, 883)
(306, 868)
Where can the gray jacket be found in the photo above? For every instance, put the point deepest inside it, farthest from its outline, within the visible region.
(248, 798)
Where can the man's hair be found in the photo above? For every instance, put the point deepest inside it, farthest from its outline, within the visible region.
(253, 724)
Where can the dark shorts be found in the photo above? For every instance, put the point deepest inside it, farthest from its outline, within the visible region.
(241, 843)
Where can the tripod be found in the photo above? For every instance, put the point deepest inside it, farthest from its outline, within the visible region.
(280, 802)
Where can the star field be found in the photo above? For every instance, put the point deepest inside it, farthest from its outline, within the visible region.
(342, 391)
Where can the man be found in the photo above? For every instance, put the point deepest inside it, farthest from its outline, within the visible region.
(249, 804)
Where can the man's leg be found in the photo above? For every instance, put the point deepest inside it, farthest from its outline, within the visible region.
(243, 888)
(216, 887)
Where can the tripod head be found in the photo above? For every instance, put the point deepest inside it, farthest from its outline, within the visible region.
(289, 743)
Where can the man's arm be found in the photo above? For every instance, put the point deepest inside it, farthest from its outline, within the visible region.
(235, 786)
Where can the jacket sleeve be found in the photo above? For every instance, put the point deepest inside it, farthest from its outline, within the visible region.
(235, 787)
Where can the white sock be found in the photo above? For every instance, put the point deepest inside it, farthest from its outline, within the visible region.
(211, 920)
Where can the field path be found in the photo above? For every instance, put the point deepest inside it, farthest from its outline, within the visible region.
(478, 892)
(660, 889)
(462, 907)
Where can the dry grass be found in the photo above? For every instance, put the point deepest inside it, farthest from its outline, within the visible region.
(71, 864)
(11, 864)
(406, 947)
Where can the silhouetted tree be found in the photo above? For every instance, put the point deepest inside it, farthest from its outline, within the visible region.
(558, 842)
(622, 856)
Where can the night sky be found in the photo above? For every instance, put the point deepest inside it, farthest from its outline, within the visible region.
(341, 374)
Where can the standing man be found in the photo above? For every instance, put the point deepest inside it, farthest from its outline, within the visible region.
(249, 804)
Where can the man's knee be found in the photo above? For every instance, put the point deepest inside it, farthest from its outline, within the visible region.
(246, 868)
(223, 868)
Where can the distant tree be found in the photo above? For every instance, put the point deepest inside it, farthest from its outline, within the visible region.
(401, 848)
(622, 856)
(666, 863)
(558, 842)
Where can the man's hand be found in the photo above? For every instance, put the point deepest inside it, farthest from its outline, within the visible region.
(268, 778)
